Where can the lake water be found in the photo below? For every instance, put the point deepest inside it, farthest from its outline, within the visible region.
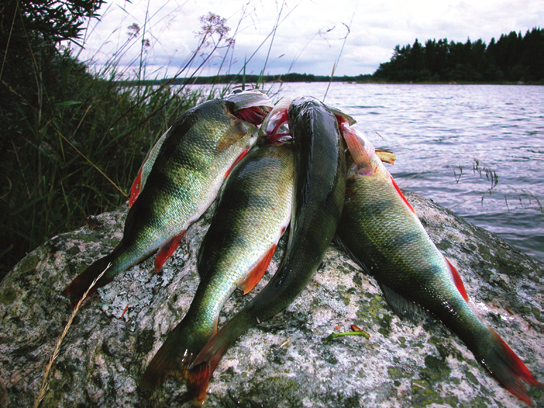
(453, 142)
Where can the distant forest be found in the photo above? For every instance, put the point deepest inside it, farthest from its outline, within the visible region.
(512, 58)
(239, 78)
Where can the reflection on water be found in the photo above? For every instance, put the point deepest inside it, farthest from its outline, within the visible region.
(452, 141)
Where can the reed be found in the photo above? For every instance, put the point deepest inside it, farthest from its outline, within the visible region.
(78, 150)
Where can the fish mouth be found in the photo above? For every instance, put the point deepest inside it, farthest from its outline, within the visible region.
(275, 128)
(250, 106)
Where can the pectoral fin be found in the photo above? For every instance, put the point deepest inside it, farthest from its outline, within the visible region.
(235, 133)
(136, 188)
(386, 156)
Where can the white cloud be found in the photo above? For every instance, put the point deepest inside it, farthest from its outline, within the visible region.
(311, 32)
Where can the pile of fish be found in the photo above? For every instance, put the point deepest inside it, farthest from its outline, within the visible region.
(298, 165)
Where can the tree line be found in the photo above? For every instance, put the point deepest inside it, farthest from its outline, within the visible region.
(249, 79)
(512, 58)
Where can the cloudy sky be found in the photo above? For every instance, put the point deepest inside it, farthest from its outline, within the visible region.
(310, 35)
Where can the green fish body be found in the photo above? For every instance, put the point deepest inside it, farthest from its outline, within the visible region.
(383, 234)
(187, 173)
(253, 212)
(320, 174)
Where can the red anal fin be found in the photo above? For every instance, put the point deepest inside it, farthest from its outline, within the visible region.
(457, 280)
(167, 251)
(402, 195)
(256, 274)
(244, 153)
(136, 188)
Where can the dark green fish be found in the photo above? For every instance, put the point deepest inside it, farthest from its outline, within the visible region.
(195, 157)
(320, 176)
(253, 212)
(382, 233)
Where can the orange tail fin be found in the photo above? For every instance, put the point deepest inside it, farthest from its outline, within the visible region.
(197, 379)
(508, 368)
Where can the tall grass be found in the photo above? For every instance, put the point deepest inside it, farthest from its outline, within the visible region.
(83, 137)
(78, 151)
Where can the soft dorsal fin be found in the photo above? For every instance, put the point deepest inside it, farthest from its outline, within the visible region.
(404, 308)
(256, 274)
(401, 195)
(457, 280)
(167, 250)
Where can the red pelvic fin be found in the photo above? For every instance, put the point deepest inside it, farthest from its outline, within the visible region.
(401, 195)
(167, 250)
(136, 188)
(457, 280)
(244, 153)
(256, 274)
(508, 369)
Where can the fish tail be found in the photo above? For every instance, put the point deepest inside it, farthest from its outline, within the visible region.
(507, 368)
(176, 356)
(216, 348)
(80, 284)
(197, 379)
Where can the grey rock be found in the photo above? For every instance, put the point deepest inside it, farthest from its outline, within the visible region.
(283, 362)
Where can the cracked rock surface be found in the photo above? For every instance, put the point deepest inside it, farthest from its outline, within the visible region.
(284, 361)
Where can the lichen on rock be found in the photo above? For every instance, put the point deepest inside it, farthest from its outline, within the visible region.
(284, 361)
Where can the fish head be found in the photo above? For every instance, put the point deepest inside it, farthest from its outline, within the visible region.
(250, 106)
(275, 127)
(361, 149)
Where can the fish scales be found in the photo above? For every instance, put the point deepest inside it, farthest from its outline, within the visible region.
(185, 178)
(253, 212)
(320, 174)
(383, 234)
(398, 251)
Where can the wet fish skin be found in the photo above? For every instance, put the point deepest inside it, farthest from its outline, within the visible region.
(246, 104)
(320, 174)
(382, 233)
(186, 176)
(253, 212)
